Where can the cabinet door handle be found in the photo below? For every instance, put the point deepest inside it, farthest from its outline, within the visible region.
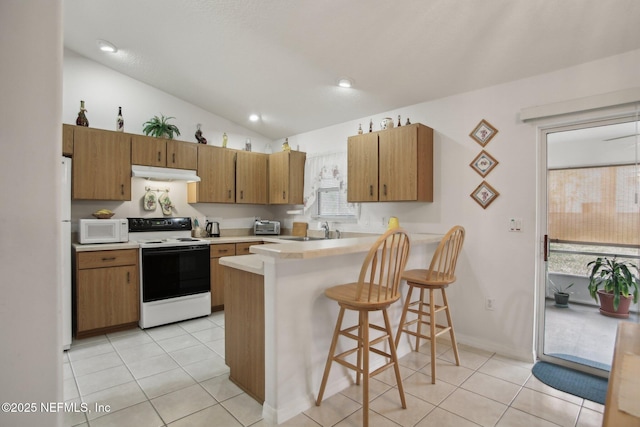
(159, 156)
(385, 189)
(122, 189)
(128, 277)
(109, 258)
(284, 195)
(173, 158)
(224, 250)
(241, 194)
(229, 194)
(371, 190)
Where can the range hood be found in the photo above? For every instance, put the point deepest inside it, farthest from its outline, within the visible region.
(164, 174)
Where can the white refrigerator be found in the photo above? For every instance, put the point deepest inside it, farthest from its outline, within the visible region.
(65, 252)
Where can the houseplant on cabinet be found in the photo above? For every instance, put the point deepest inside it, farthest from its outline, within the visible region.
(560, 294)
(619, 285)
(160, 127)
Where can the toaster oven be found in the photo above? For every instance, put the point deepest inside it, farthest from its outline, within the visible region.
(265, 227)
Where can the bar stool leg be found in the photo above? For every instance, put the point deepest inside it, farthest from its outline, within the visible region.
(432, 326)
(419, 324)
(451, 332)
(360, 347)
(332, 350)
(365, 367)
(403, 317)
(394, 357)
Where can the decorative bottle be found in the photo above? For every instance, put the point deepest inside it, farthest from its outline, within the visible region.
(370, 125)
(247, 144)
(285, 145)
(399, 124)
(82, 118)
(224, 140)
(360, 129)
(120, 121)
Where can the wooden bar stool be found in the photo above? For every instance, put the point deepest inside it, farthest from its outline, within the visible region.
(376, 289)
(441, 273)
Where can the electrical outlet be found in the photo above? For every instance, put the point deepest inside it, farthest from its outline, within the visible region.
(490, 304)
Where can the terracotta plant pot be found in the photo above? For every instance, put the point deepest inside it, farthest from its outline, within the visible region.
(606, 305)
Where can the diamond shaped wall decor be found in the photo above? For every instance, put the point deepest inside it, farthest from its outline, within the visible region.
(484, 194)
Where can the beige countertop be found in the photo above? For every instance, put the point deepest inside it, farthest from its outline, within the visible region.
(104, 246)
(330, 247)
(248, 263)
(275, 248)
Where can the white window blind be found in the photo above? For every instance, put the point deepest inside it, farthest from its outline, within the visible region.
(595, 205)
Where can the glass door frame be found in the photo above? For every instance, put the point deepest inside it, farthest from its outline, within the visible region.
(600, 119)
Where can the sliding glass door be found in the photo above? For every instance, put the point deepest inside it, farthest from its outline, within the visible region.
(593, 186)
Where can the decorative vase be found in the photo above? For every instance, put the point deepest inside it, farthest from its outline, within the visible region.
(606, 305)
(82, 117)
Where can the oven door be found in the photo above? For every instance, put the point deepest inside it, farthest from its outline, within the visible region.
(169, 272)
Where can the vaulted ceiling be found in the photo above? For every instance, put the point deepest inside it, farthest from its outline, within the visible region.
(281, 59)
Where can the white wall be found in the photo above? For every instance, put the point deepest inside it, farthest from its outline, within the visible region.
(495, 263)
(30, 137)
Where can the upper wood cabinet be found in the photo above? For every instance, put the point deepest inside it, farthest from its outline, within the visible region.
(67, 140)
(362, 168)
(391, 165)
(182, 155)
(251, 177)
(150, 151)
(286, 177)
(101, 165)
(216, 169)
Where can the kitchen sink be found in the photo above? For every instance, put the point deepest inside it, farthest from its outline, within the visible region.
(301, 239)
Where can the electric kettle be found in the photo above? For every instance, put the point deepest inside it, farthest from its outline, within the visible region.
(213, 229)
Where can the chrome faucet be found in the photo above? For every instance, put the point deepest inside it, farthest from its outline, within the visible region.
(325, 227)
(337, 233)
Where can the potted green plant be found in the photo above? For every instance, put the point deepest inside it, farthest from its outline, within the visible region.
(560, 294)
(619, 285)
(160, 127)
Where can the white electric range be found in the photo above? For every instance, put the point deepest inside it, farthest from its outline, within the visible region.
(174, 271)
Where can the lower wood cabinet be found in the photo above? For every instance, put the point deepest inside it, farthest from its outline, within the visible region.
(244, 330)
(217, 279)
(107, 291)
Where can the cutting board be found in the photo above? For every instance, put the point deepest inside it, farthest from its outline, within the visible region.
(300, 229)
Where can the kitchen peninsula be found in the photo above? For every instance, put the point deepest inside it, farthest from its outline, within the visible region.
(298, 318)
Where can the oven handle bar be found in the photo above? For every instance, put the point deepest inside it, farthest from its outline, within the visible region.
(174, 249)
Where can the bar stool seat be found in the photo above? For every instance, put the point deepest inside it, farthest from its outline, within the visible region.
(376, 289)
(438, 276)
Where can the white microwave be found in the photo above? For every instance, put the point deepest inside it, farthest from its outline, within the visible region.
(103, 231)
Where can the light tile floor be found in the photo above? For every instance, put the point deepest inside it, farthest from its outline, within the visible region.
(175, 375)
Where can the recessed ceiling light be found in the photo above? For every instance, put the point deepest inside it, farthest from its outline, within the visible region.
(254, 117)
(345, 82)
(105, 46)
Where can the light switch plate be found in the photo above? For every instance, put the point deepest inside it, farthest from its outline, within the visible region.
(515, 224)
